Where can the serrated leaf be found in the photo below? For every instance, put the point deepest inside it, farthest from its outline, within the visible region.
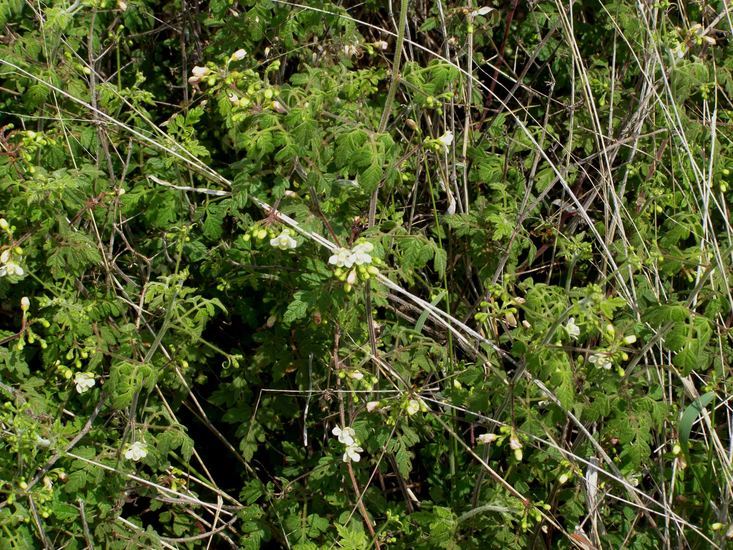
(297, 309)
(369, 178)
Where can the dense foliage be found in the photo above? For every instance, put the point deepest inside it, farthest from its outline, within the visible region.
(420, 274)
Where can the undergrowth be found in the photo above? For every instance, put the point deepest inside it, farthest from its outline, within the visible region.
(415, 274)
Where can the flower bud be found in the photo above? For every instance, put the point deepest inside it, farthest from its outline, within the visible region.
(25, 303)
(200, 72)
(239, 55)
(630, 339)
(4, 225)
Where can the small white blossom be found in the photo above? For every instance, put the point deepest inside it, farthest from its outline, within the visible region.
(372, 406)
(601, 361)
(352, 453)
(347, 435)
(361, 253)
(239, 55)
(84, 381)
(413, 407)
(14, 269)
(482, 11)
(630, 339)
(5, 256)
(284, 241)
(341, 258)
(446, 139)
(25, 303)
(200, 72)
(381, 44)
(279, 107)
(233, 99)
(516, 446)
(351, 278)
(356, 375)
(486, 439)
(4, 225)
(572, 329)
(136, 451)
(350, 50)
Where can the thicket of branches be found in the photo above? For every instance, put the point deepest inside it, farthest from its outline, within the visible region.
(415, 274)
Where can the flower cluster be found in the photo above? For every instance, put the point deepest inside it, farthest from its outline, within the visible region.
(441, 144)
(354, 264)
(11, 256)
(137, 451)
(347, 436)
(601, 360)
(507, 434)
(200, 73)
(284, 241)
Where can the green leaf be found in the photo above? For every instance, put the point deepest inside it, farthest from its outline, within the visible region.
(689, 417)
(370, 178)
(297, 309)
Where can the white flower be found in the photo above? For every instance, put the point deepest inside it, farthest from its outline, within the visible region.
(136, 451)
(372, 406)
(239, 55)
(356, 375)
(351, 278)
(352, 453)
(14, 269)
(381, 44)
(284, 241)
(630, 339)
(514, 442)
(347, 435)
(350, 50)
(572, 329)
(233, 99)
(84, 381)
(601, 360)
(4, 225)
(200, 72)
(5, 256)
(486, 439)
(446, 139)
(279, 107)
(482, 11)
(25, 303)
(341, 258)
(361, 253)
(413, 407)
